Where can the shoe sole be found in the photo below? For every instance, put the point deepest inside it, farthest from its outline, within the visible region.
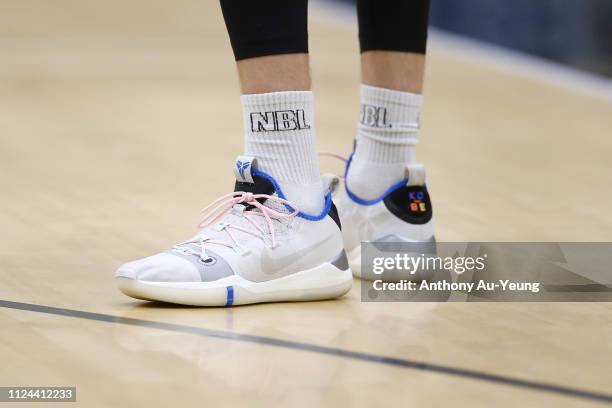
(325, 281)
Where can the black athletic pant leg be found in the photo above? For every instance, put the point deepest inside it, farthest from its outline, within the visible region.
(393, 25)
(266, 27)
(270, 27)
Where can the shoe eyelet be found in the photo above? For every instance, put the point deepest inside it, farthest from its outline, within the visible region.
(208, 261)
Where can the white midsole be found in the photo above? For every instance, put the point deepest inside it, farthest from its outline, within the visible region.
(325, 281)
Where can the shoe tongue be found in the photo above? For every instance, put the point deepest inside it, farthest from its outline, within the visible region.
(246, 180)
(243, 168)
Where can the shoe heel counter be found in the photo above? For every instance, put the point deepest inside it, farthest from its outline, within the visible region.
(411, 204)
(333, 214)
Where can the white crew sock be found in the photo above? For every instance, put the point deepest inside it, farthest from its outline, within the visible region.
(386, 140)
(279, 132)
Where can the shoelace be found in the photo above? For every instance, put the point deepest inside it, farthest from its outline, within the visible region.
(222, 205)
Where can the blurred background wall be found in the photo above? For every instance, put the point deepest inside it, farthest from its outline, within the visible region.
(577, 33)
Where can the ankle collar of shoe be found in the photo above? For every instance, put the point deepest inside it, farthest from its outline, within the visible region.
(281, 194)
(363, 201)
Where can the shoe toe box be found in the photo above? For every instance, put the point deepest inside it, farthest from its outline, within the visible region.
(163, 267)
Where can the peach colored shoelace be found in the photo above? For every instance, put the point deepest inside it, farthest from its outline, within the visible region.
(222, 205)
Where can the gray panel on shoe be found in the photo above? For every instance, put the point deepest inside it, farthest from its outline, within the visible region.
(428, 247)
(208, 273)
(341, 261)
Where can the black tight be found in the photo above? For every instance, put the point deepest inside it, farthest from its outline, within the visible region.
(270, 27)
(266, 27)
(399, 25)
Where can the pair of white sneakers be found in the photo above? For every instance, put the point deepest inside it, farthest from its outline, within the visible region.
(254, 246)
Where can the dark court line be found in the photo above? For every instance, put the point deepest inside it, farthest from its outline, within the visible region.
(332, 351)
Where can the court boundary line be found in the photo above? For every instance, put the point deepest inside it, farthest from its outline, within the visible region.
(487, 55)
(308, 347)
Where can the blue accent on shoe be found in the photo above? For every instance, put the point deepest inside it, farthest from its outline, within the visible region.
(362, 201)
(230, 296)
(301, 214)
(318, 217)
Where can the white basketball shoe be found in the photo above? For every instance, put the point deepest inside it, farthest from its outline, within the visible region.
(403, 214)
(253, 246)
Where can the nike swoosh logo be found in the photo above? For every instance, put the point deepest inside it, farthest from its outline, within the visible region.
(273, 265)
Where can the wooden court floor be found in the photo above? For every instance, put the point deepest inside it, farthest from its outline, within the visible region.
(119, 120)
